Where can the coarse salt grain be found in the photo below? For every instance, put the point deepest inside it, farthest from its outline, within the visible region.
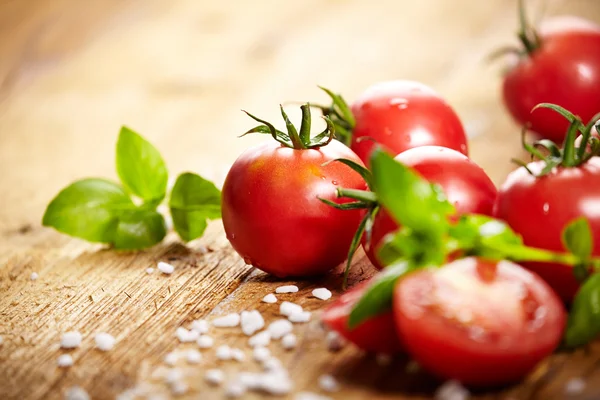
(200, 326)
(452, 390)
(287, 289)
(288, 308)
(149, 270)
(334, 341)
(193, 356)
(65, 360)
(205, 342)
(261, 354)
(272, 364)
(279, 328)
(104, 341)
(276, 383)
(186, 336)
(261, 339)
(165, 268)
(227, 321)
(289, 341)
(214, 377)
(322, 293)
(251, 380)
(303, 316)
(70, 340)
(237, 355)
(251, 322)
(270, 299)
(575, 386)
(223, 353)
(328, 383)
(179, 388)
(235, 389)
(34, 276)
(76, 393)
(173, 375)
(310, 396)
(171, 358)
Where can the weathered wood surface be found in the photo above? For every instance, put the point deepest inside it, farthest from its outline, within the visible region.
(72, 72)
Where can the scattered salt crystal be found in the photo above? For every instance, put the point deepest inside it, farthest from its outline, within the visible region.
(289, 341)
(575, 386)
(200, 326)
(171, 358)
(34, 276)
(65, 360)
(383, 359)
(303, 316)
(223, 353)
(287, 289)
(452, 390)
(214, 376)
(250, 380)
(261, 354)
(104, 341)
(235, 389)
(279, 328)
(76, 393)
(288, 308)
(237, 355)
(205, 342)
(322, 293)
(173, 375)
(251, 321)
(276, 383)
(193, 356)
(270, 299)
(261, 339)
(272, 364)
(310, 396)
(334, 341)
(166, 268)
(227, 321)
(186, 336)
(70, 340)
(328, 383)
(179, 388)
(149, 270)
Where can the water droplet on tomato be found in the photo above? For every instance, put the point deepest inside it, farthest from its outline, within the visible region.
(387, 131)
(334, 182)
(399, 102)
(477, 333)
(232, 236)
(546, 208)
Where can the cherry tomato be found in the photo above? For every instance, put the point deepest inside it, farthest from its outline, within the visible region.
(377, 334)
(400, 115)
(564, 69)
(480, 322)
(272, 213)
(465, 184)
(539, 209)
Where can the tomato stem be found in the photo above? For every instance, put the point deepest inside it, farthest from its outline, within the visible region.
(362, 195)
(527, 34)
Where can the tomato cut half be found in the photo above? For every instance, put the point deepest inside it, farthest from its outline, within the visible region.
(479, 322)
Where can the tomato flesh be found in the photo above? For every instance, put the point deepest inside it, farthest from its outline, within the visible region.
(400, 115)
(480, 322)
(376, 334)
(272, 213)
(465, 184)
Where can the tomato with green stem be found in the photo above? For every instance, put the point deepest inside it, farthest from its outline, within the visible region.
(270, 201)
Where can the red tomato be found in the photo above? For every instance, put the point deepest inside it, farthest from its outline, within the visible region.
(539, 209)
(271, 211)
(564, 70)
(479, 322)
(466, 185)
(400, 115)
(377, 334)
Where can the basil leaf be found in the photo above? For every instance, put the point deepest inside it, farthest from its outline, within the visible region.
(411, 200)
(377, 299)
(194, 200)
(139, 229)
(88, 209)
(583, 324)
(141, 167)
(577, 238)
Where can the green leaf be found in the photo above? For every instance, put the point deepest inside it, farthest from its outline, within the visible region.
(411, 200)
(577, 238)
(377, 299)
(367, 219)
(88, 209)
(141, 167)
(361, 170)
(193, 202)
(583, 324)
(139, 229)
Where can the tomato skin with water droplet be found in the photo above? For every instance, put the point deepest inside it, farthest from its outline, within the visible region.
(538, 209)
(272, 213)
(400, 115)
(465, 184)
(480, 322)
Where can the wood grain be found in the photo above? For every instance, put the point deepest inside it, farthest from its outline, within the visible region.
(71, 73)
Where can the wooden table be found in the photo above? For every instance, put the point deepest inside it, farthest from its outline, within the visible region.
(72, 72)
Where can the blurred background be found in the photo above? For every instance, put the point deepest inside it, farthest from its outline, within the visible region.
(179, 71)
